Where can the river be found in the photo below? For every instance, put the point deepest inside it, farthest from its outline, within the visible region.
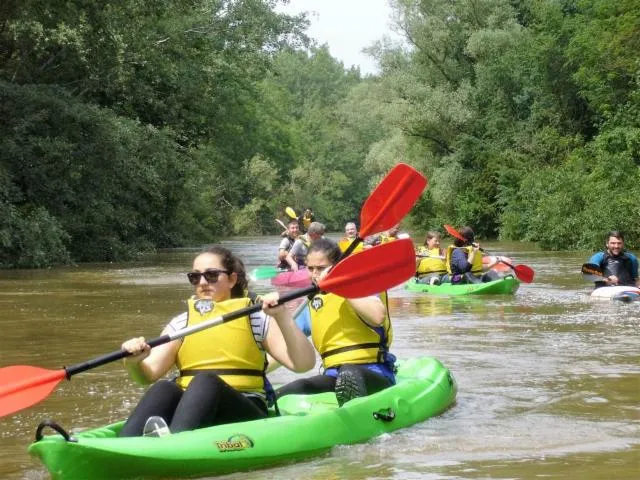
(549, 381)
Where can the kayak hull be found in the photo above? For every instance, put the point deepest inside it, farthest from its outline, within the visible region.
(310, 425)
(297, 279)
(623, 294)
(504, 286)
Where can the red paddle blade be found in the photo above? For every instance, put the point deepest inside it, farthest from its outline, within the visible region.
(372, 271)
(454, 233)
(524, 273)
(22, 386)
(392, 199)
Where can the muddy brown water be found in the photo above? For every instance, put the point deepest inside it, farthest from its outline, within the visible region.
(549, 381)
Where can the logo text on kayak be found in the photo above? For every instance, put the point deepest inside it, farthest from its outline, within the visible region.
(234, 443)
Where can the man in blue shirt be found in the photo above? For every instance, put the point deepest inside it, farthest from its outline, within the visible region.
(619, 267)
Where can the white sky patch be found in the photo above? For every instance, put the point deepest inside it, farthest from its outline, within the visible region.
(347, 26)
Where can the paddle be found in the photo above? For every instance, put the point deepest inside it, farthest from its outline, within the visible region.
(389, 202)
(281, 223)
(523, 272)
(592, 272)
(291, 212)
(368, 273)
(265, 272)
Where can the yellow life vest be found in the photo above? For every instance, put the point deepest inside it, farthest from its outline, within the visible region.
(476, 266)
(434, 263)
(344, 243)
(384, 238)
(342, 337)
(230, 349)
(305, 240)
(306, 221)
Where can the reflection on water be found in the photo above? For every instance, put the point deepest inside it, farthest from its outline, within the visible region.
(549, 381)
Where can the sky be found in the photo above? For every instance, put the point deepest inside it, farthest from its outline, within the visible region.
(347, 26)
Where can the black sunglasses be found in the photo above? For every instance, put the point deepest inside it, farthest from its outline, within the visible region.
(211, 276)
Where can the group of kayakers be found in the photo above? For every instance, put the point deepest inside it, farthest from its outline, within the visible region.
(295, 243)
(222, 371)
(460, 262)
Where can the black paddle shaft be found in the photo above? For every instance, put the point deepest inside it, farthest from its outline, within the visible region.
(119, 354)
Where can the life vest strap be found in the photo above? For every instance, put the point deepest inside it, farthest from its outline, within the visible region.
(349, 348)
(223, 371)
(423, 274)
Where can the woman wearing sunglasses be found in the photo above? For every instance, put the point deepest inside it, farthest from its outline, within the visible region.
(221, 369)
(352, 336)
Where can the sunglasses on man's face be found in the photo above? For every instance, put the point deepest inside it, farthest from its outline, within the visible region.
(211, 276)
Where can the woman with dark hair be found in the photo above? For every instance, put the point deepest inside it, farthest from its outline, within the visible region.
(221, 369)
(352, 335)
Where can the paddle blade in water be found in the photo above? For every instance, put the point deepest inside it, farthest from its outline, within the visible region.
(391, 200)
(22, 386)
(524, 273)
(372, 271)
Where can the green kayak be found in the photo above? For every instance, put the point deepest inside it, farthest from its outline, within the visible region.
(309, 425)
(506, 285)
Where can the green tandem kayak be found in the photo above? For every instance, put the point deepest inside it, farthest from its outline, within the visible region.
(506, 285)
(309, 425)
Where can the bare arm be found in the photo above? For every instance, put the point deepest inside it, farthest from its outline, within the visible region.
(283, 249)
(146, 365)
(494, 261)
(284, 340)
(292, 263)
(290, 256)
(370, 309)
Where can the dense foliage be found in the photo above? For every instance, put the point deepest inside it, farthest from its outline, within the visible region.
(136, 125)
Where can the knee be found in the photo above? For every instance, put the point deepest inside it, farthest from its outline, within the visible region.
(205, 380)
(164, 388)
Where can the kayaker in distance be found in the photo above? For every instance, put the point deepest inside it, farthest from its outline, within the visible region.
(291, 235)
(350, 234)
(298, 253)
(306, 220)
(389, 236)
(205, 393)
(352, 336)
(430, 266)
(619, 266)
(463, 261)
